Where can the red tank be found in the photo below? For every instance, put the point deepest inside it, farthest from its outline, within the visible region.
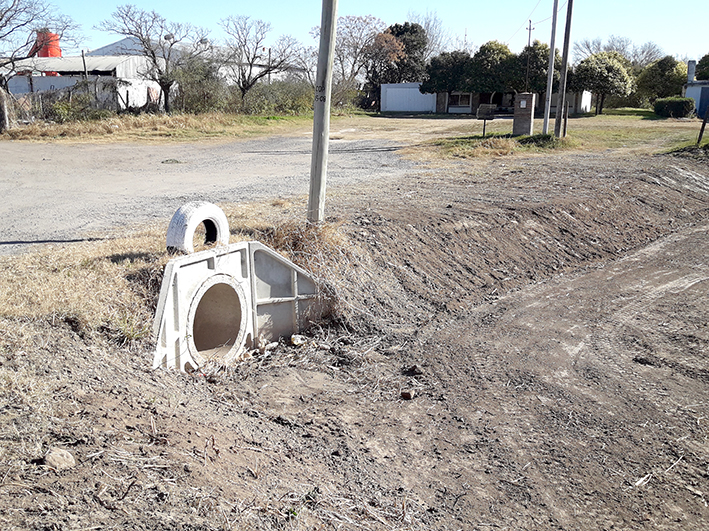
(47, 45)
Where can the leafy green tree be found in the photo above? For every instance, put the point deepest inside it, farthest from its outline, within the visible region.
(395, 56)
(538, 56)
(662, 79)
(603, 74)
(448, 72)
(493, 68)
(702, 72)
(411, 66)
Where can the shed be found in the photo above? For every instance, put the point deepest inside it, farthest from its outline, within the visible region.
(133, 90)
(406, 97)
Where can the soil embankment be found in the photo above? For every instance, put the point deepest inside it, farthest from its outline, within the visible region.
(526, 348)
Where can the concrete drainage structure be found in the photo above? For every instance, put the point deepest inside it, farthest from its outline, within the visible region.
(217, 304)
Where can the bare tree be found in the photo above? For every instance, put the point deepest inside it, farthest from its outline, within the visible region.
(305, 60)
(355, 34)
(168, 46)
(622, 45)
(19, 22)
(439, 39)
(646, 54)
(637, 56)
(248, 57)
(586, 48)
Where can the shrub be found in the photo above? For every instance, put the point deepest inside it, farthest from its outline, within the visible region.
(80, 107)
(674, 107)
(280, 97)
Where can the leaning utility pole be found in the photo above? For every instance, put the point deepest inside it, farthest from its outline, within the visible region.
(550, 73)
(561, 100)
(321, 122)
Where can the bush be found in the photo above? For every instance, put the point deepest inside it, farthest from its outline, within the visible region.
(674, 107)
(81, 107)
(280, 97)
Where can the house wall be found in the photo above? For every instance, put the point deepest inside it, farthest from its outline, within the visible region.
(580, 102)
(699, 92)
(406, 97)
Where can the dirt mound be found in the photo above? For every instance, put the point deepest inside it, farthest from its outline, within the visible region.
(522, 345)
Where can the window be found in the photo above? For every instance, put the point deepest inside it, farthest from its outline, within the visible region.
(459, 100)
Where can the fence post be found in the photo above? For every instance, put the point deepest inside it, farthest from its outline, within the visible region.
(704, 124)
(4, 112)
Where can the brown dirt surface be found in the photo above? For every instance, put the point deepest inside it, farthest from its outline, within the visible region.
(523, 345)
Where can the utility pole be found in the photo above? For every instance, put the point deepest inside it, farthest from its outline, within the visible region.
(561, 100)
(550, 73)
(529, 53)
(321, 122)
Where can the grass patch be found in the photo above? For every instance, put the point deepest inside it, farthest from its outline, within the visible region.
(631, 111)
(178, 127)
(496, 145)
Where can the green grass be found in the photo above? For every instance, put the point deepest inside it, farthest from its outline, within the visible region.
(630, 111)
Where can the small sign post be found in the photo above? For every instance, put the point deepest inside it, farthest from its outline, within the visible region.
(704, 124)
(486, 112)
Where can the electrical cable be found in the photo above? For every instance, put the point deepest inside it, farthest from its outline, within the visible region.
(522, 26)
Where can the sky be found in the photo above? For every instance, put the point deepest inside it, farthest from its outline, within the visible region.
(476, 22)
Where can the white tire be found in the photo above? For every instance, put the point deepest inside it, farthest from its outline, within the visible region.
(188, 217)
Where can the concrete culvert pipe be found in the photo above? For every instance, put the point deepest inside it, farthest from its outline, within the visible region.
(181, 231)
(217, 320)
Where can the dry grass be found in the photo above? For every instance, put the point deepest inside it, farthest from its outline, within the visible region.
(159, 127)
(109, 285)
(112, 286)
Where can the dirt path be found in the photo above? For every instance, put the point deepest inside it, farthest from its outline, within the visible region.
(63, 192)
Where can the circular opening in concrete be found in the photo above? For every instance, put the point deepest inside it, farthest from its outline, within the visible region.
(217, 321)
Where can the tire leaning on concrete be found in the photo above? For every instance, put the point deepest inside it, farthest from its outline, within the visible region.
(188, 217)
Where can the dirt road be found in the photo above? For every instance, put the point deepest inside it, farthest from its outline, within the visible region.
(58, 192)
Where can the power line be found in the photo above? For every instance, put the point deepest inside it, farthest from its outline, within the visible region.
(549, 18)
(523, 25)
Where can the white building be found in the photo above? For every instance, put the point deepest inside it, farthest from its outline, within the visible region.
(118, 81)
(406, 97)
(697, 90)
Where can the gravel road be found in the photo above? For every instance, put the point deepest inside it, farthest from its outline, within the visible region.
(58, 192)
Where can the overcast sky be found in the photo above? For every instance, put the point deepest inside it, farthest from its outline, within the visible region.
(682, 31)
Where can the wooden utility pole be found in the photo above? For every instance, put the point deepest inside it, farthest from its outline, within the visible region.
(561, 100)
(550, 73)
(529, 54)
(321, 122)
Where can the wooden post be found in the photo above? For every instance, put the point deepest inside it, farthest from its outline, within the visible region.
(321, 121)
(4, 112)
(704, 124)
